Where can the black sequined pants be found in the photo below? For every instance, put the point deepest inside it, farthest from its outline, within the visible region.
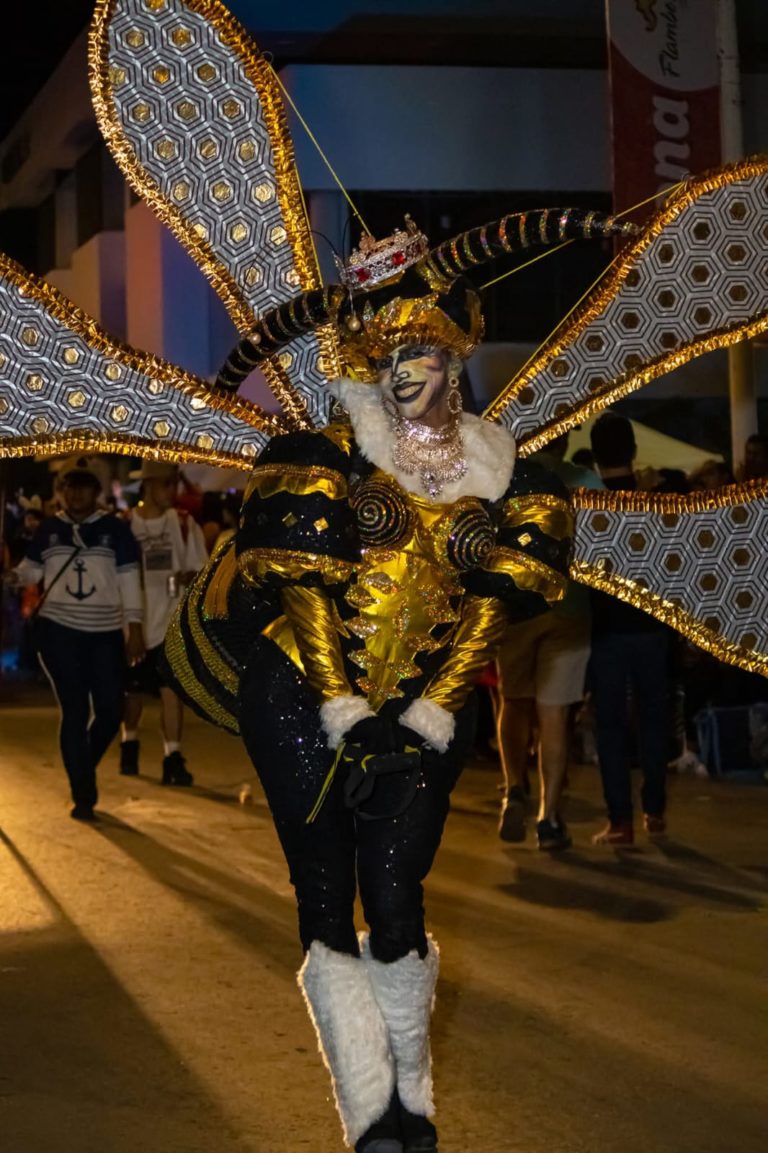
(388, 859)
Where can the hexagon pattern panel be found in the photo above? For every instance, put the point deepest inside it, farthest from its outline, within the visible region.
(64, 385)
(696, 279)
(194, 118)
(698, 562)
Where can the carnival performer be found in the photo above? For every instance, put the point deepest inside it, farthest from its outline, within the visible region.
(396, 544)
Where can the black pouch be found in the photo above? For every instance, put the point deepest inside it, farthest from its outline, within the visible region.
(380, 786)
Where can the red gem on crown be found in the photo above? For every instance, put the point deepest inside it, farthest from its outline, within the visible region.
(377, 260)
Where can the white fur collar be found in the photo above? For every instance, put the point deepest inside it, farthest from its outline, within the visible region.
(488, 448)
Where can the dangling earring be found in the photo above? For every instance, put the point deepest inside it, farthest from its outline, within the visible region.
(455, 405)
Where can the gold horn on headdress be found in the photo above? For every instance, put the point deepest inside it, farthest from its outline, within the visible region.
(518, 232)
(276, 328)
(396, 290)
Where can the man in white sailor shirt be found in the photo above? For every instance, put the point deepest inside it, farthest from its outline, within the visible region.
(90, 619)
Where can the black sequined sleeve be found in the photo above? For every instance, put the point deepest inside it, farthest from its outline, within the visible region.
(527, 568)
(297, 527)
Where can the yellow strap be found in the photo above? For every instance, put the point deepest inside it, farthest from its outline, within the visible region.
(332, 773)
(324, 158)
(326, 785)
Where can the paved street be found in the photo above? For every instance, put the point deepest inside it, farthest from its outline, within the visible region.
(600, 1002)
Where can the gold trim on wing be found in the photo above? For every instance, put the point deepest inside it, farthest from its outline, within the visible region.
(153, 367)
(299, 480)
(670, 614)
(85, 440)
(607, 289)
(529, 574)
(257, 563)
(606, 500)
(259, 74)
(552, 514)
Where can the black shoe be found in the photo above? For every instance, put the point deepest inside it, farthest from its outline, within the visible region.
(129, 758)
(383, 1136)
(175, 770)
(83, 813)
(514, 816)
(419, 1134)
(552, 838)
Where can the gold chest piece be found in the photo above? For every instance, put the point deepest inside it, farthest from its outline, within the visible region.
(408, 584)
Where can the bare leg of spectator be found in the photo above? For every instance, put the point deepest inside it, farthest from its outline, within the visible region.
(129, 738)
(515, 719)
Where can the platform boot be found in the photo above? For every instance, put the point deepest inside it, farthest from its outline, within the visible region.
(354, 1044)
(405, 993)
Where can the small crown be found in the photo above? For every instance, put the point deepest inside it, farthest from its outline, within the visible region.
(378, 260)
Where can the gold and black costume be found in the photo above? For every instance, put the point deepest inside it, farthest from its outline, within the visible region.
(371, 578)
(375, 591)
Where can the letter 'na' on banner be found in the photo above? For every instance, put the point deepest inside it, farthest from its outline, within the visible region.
(665, 94)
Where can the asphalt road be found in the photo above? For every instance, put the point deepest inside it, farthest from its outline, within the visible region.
(599, 1001)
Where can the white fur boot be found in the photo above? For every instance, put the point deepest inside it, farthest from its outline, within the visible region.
(352, 1036)
(405, 992)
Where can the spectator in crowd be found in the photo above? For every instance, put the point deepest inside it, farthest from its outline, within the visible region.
(172, 551)
(211, 518)
(630, 652)
(755, 465)
(584, 458)
(710, 474)
(88, 562)
(541, 666)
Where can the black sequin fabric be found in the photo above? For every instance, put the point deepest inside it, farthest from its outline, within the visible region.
(338, 853)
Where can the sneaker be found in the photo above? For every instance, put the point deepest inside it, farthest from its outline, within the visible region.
(514, 816)
(619, 834)
(552, 837)
(129, 758)
(175, 770)
(688, 762)
(655, 825)
(83, 813)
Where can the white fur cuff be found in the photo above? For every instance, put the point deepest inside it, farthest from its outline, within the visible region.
(432, 722)
(339, 714)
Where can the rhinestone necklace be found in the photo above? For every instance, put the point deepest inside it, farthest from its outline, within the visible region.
(435, 454)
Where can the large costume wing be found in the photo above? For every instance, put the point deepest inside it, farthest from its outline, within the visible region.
(193, 116)
(696, 562)
(66, 386)
(695, 280)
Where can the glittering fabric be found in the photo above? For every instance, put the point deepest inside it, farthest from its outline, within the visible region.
(694, 281)
(329, 858)
(193, 116)
(695, 562)
(66, 386)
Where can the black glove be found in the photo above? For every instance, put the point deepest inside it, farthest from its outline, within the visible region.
(378, 768)
(409, 738)
(372, 735)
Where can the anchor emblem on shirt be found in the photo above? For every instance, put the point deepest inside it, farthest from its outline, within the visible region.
(79, 593)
